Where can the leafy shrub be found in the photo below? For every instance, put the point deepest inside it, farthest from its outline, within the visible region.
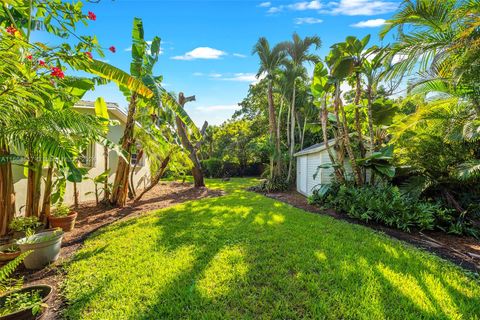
(61, 211)
(213, 168)
(386, 205)
(217, 168)
(24, 223)
(276, 184)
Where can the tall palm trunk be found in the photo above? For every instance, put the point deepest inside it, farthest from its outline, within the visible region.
(120, 184)
(7, 194)
(32, 206)
(275, 167)
(346, 136)
(292, 134)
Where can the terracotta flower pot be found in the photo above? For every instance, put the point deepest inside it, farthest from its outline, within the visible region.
(7, 256)
(67, 223)
(45, 248)
(26, 314)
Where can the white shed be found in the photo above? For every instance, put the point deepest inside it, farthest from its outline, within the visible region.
(308, 161)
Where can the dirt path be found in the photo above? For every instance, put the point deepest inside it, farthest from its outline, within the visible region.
(463, 251)
(91, 218)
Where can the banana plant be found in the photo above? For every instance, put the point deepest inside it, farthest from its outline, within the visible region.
(143, 90)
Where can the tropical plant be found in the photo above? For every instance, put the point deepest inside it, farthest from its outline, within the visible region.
(271, 59)
(298, 51)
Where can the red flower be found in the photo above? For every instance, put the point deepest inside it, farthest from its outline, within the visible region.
(57, 72)
(89, 54)
(113, 49)
(29, 57)
(11, 30)
(92, 16)
(41, 63)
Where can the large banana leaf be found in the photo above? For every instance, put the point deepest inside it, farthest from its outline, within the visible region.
(120, 77)
(138, 48)
(320, 80)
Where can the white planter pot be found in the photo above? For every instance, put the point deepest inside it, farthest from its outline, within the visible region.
(45, 248)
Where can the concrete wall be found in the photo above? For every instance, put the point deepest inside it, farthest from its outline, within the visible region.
(141, 178)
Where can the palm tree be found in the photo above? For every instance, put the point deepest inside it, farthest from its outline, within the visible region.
(270, 62)
(298, 51)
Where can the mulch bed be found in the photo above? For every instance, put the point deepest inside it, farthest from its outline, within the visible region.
(463, 251)
(91, 218)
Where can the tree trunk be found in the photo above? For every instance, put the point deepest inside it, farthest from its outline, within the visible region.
(132, 193)
(348, 146)
(7, 194)
(46, 203)
(358, 125)
(155, 179)
(274, 137)
(106, 193)
(292, 135)
(338, 167)
(192, 152)
(75, 195)
(32, 207)
(370, 121)
(120, 184)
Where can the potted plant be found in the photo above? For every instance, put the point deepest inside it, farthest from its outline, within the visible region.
(16, 303)
(20, 226)
(8, 252)
(45, 247)
(63, 217)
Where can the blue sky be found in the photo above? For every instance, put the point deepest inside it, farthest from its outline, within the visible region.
(207, 44)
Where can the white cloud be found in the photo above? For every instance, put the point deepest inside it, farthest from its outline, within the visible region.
(305, 5)
(274, 9)
(219, 107)
(215, 75)
(265, 4)
(239, 55)
(198, 74)
(201, 53)
(308, 20)
(298, 6)
(362, 7)
(369, 23)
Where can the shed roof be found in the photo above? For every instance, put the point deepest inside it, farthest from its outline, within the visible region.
(314, 148)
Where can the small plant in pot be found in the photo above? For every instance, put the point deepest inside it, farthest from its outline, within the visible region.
(21, 225)
(45, 247)
(8, 252)
(17, 302)
(63, 217)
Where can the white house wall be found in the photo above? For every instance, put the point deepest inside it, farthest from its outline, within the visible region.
(141, 177)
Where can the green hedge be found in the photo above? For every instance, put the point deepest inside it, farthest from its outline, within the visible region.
(216, 168)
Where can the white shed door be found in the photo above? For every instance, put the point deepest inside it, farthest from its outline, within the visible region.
(302, 174)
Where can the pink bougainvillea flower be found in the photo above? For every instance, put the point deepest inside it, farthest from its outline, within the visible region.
(41, 63)
(11, 30)
(57, 72)
(113, 49)
(29, 57)
(92, 16)
(89, 54)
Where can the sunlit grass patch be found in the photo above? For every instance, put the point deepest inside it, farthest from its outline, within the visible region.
(243, 255)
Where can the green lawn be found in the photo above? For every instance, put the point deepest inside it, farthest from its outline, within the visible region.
(247, 256)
